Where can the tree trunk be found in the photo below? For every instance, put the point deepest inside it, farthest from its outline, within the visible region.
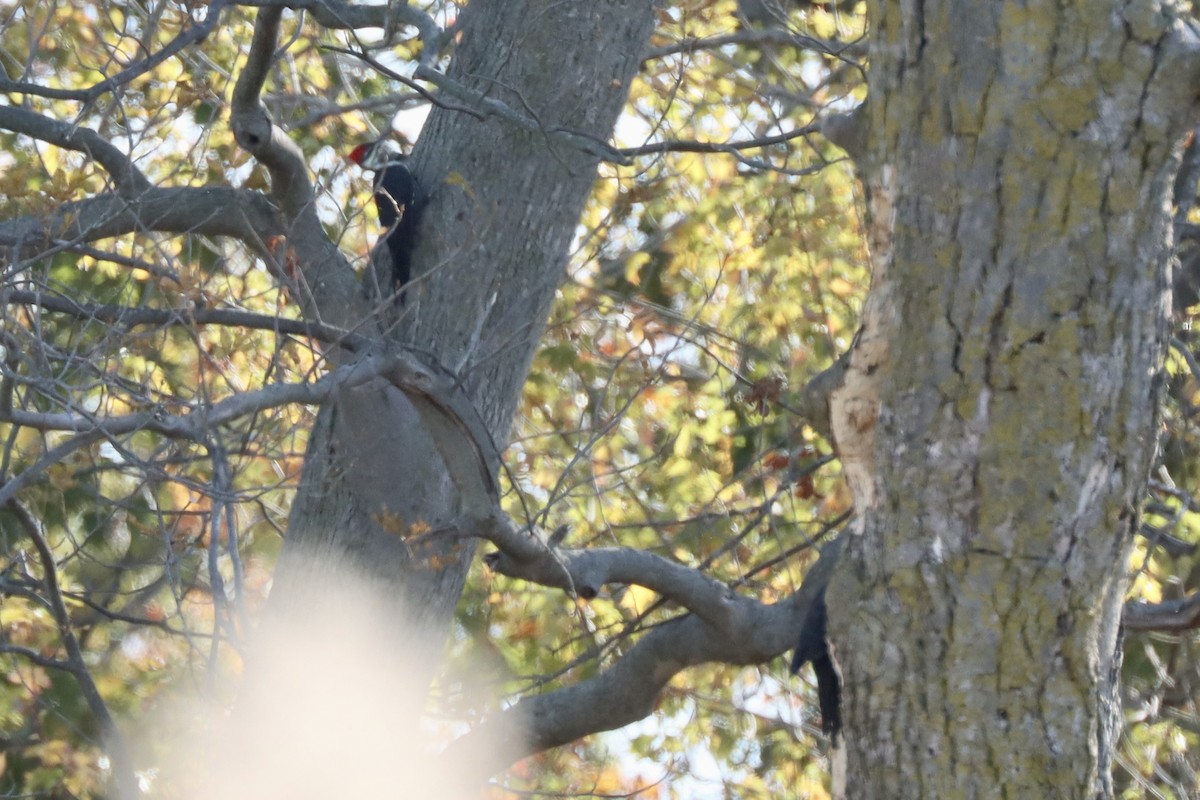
(998, 419)
(504, 198)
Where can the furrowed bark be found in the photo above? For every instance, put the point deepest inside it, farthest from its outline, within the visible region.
(492, 247)
(1000, 409)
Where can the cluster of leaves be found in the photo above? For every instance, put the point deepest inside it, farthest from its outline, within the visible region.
(150, 538)
(1162, 669)
(703, 290)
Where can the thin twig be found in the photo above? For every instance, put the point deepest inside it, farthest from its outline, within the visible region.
(118, 751)
(132, 317)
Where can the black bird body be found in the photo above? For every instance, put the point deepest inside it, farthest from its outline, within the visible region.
(813, 647)
(397, 202)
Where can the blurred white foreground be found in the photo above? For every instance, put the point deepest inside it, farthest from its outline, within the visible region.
(330, 708)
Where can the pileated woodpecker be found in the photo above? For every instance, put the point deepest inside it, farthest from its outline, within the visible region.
(397, 201)
(814, 647)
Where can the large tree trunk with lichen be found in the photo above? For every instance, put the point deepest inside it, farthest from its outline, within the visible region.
(998, 418)
(504, 198)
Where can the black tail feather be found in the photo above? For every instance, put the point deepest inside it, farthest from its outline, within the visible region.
(813, 646)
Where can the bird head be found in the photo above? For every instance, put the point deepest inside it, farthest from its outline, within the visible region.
(374, 155)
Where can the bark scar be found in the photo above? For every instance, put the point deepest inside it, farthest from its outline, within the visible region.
(854, 406)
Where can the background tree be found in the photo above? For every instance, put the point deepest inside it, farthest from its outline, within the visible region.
(180, 290)
(998, 414)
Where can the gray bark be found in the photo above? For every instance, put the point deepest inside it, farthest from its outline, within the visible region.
(998, 416)
(504, 200)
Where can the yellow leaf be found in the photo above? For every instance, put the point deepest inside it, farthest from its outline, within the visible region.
(842, 288)
(683, 442)
(638, 598)
(633, 267)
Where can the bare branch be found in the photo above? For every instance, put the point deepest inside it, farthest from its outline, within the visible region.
(253, 128)
(214, 211)
(14, 485)
(122, 763)
(491, 107)
(333, 14)
(1186, 353)
(184, 39)
(222, 521)
(339, 15)
(316, 109)
(480, 106)
(585, 572)
(191, 426)
(719, 147)
(30, 654)
(130, 317)
(776, 36)
(129, 179)
(456, 428)
(409, 82)
(330, 289)
(628, 690)
(99, 254)
(732, 148)
(1171, 615)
